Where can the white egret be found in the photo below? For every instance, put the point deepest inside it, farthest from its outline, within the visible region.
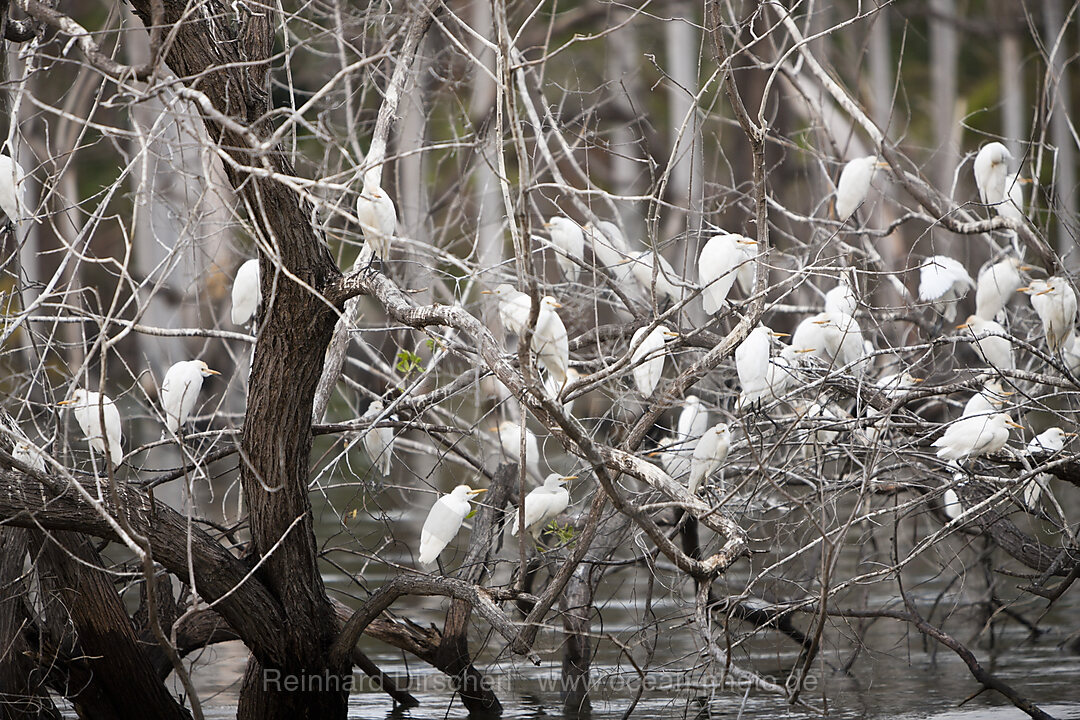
(1070, 352)
(444, 521)
(180, 391)
(608, 243)
(780, 375)
(675, 462)
(995, 350)
(641, 266)
(752, 363)
(694, 418)
(996, 286)
(567, 237)
(974, 436)
(942, 282)
(246, 292)
(1054, 301)
(378, 441)
(378, 217)
(29, 454)
(832, 337)
(824, 435)
(854, 185)
(509, 432)
(553, 387)
(841, 300)
(549, 340)
(88, 406)
(1013, 207)
(718, 265)
(11, 189)
(991, 170)
(1049, 441)
(950, 504)
(649, 357)
(987, 401)
(544, 504)
(710, 453)
(513, 306)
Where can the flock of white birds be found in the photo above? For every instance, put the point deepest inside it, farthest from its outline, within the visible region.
(766, 366)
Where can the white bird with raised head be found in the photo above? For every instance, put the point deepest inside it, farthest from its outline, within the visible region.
(990, 342)
(943, 282)
(649, 356)
(854, 184)
(444, 521)
(975, 435)
(180, 391)
(88, 407)
(246, 292)
(608, 244)
(841, 300)
(996, 285)
(718, 266)
(569, 240)
(550, 341)
(710, 453)
(378, 217)
(752, 364)
(1054, 302)
(378, 441)
(544, 504)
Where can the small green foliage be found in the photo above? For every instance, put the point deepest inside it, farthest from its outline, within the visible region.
(408, 363)
(471, 513)
(563, 533)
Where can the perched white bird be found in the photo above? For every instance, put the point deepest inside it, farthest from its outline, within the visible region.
(1070, 352)
(11, 189)
(549, 340)
(29, 454)
(987, 401)
(996, 286)
(378, 217)
(544, 504)
(608, 243)
(514, 307)
(831, 337)
(991, 170)
(854, 185)
(378, 441)
(841, 300)
(553, 387)
(752, 364)
(641, 266)
(649, 356)
(780, 375)
(694, 418)
(1054, 301)
(444, 521)
(995, 350)
(246, 292)
(718, 266)
(1049, 441)
(950, 504)
(566, 235)
(710, 453)
(88, 406)
(180, 391)
(1013, 207)
(509, 433)
(975, 435)
(942, 282)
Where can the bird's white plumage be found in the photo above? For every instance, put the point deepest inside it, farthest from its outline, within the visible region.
(379, 441)
(11, 189)
(996, 285)
(950, 504)
(1054, 302)
(831, 337)
(29, 454)
(693, 419)
(718, 266)
(608, 243)
(995, 350)
(987, 401)
(549, 340)
(1051, 440)
(566, 235)
(246, 292)
(780, 375)
(757, 374)
(854, 185)
(180, 391)
(509, 433)
(942, 282)
(378, 218)
(87, 406)
(641, 266)
(973, 436)
(841, 300)
(1013, 207)
(443, 523)
(543, 504)
(710, 453)
(514, 307)
(991, 171)
(648, 358)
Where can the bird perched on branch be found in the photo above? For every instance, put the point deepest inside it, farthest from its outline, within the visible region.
(719, 264)
(180, 391)
(990, 342)
(1054, 302)
(509, 433)
(854, 184)
(996, 285)
(378, 217)
(991, 169)
(649, 356)
(1048, 442)
(943, 282)
(641, 267)
(88, 407)
(974, 436)
(752, 364)
(444, 521)
(30, 455)
(246, 292)
(544, 504)
(709, 455)
(567, 237)
(378, 441)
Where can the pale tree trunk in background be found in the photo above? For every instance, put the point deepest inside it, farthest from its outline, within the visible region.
(623, 63)
(880, 60)
(944, 49)
(1060, 104)
(685, 188)
(1013, 108)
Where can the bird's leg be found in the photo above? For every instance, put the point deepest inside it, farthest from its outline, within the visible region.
(442, 570)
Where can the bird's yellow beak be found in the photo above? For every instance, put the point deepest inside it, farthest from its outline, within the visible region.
(918, 380)
(556, 305)
(1010, 423)
(820, 322)
(1047, 290)
(962, 327)
(478, 491)
(212, 372)
(574, 477)
(806, 350)
(493, 429)
(547, 224)
(1026, 268)
(65, 402)
(881, 164)
(487, 292)
(1025, 181)
(1023, 289)
(671, 334)
(746, 242)
(1007, 393)
(654, 453)
(1069, 434)
(780, 335)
